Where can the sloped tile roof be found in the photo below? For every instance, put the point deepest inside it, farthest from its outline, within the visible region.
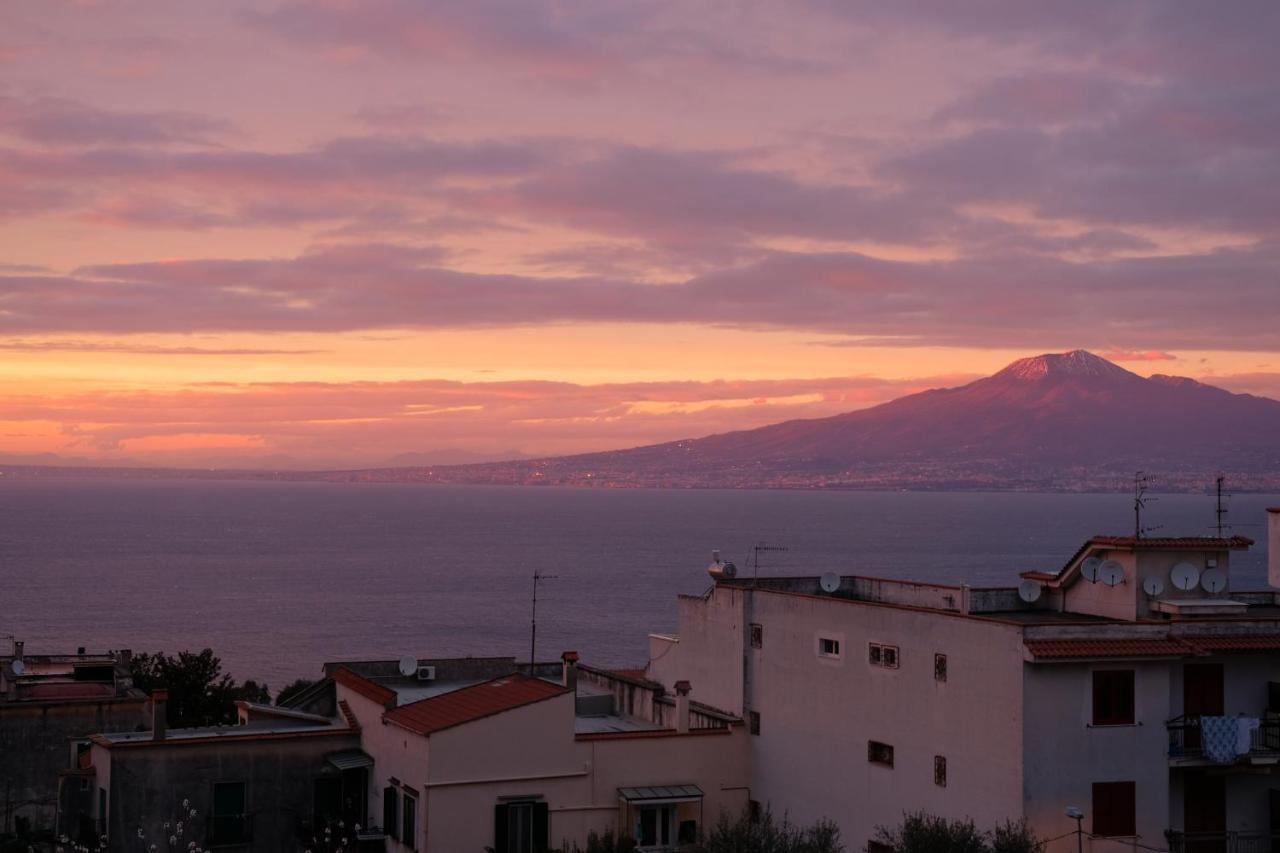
(1109, 648)
(1141, 647)
(473, 703)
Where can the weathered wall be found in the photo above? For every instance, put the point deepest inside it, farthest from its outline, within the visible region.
(35, 743)
(148, 784)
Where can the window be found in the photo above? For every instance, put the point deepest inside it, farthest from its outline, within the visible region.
(1115, 808)
(656, 824)
(1113, 697)
(939, 667)
(881, 655)
(940, 771)
(228, 823)
(879, 753)
(409, 823)
(753, 722)
(391, 811)
(828, 647)
(757, 635)
(520, 827)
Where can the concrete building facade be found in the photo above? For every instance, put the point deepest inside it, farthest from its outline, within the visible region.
(49, 706)
(1098, 686)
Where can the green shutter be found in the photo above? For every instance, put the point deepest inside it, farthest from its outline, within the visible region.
(540, 821)
(500, 828)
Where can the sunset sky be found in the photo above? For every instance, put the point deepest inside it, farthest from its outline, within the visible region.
(366, 232)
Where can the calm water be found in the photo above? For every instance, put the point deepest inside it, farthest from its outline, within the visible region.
(279, 577)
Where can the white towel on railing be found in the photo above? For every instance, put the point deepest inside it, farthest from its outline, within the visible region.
(1245, 726)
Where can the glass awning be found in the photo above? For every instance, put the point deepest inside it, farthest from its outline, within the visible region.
(661, 794)
(349, 759)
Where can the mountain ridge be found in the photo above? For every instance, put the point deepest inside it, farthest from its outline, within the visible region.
(1070, 421)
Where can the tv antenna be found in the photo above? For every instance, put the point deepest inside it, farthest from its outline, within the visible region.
(1140, 484)
(1221, 508)
(533, 616)
(758, 549)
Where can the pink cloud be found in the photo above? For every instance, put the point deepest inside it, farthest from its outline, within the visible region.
(1137, 355)
(368, 423)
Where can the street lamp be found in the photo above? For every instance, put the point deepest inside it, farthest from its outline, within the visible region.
(1075, 814)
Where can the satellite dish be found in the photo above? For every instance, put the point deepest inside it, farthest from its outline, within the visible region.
(1089, 568)
(18, 667)
(1185, 576)
(829, 581)
(1111, 573)
(408, 665)
(1153, 586)
(1213, 580)
(1029, 591)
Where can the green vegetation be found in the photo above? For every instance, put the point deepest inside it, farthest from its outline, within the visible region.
(925, 833)
(200, 694)
(292, 689)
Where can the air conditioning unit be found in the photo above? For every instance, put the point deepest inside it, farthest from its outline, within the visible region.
(426, 673)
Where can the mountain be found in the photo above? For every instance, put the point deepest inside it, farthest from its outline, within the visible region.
(1056, 421)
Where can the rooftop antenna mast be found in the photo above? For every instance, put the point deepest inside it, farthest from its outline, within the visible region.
(1221, 509)
(1140, 484)
(533, 617)
(758, 549)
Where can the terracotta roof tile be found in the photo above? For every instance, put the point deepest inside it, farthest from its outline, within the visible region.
(1136, 647)
(371, 690)
(1192, 542)
(1236, 644)
(473, 703)
(1111, 648)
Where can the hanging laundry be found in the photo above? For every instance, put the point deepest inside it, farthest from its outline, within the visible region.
(1245, 727)
(1219, 735)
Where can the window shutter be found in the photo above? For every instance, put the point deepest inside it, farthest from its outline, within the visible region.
(540, 827)
(500, 828)
(390, 812)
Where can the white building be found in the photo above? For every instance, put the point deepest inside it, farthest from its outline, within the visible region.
(463, 762)
(1138, 686)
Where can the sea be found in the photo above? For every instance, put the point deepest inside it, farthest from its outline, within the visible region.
(279, 577)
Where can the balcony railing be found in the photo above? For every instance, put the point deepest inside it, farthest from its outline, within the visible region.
(1224, 842)
(1186, 740)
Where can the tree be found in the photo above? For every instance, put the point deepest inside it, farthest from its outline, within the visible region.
(292, 689)
(925, 833)
(765, 834)
(200, 694)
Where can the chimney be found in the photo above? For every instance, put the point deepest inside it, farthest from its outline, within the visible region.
(80, 651)
(1273, 546)
(570, 669)
(125, 658)
(18, 646)
(159, 708)
(682, 706)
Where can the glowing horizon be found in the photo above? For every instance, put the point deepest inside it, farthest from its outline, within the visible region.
(323, 234)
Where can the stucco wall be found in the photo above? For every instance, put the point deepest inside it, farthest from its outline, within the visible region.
(397, 753)
(1066, 754)
(709, 651)
(818, 714)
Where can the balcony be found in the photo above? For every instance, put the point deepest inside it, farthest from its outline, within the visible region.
(1192, 745)
(1223, 842)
